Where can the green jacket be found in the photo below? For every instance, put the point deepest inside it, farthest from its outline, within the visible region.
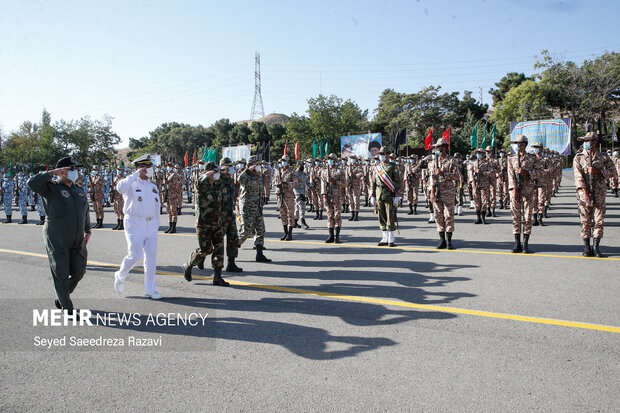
(380, 190)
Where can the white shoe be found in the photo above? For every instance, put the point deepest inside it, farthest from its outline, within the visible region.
(459, 210)
(118, 283)
(154, 295)
(391, 238)
(432, 218)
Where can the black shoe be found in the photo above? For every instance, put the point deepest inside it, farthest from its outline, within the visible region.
(483, 216)
(518, 247)
(296, 225)
(442, 244)
(24, 220)
(501, 204)
(449, 238)
(357, 216)
(187, 271)
(415, 209)
(337, 239)
(479, 220)
(232, 267)
(489, 212)
(303, 222)
(540, 220)
(596, 243)
(42, 220)
(289, 235)
(352, 216)
(260, 257)
(410, 210)
(57, 304)
(173, 230)
(201, 264)
(535, 223)
(285, 233)
(526, 240)
(118, 223)
(179, 211)
(321, 215)
(169, 227)
(217, 278)
(331, 236)
(316, 216)
(546, 212)
(121, 226)
(494, 216)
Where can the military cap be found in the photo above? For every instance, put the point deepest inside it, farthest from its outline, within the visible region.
(383, 150)
(590, 136)
(333, 156)
(520, 139)
(480, 150)
(66, 161)
(502, 150)
(441, 142)
(144, 160)
(225, 161)
(201, 161)
(251, 160)
(212, 166)
(537, 145)
(489, 148)
(285, 158)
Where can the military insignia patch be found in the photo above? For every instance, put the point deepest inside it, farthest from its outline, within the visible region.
(154, 190)
(139, 198)
(65, 193)
(81, 194)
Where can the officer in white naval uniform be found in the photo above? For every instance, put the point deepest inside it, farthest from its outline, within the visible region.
(141, 225)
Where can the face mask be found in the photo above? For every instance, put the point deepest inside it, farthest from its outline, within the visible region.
(257, 169)
(150, 172)
(587, 145)
(330, 162)
(284, 164)
(536, 150)
(201, 167)
(479, 156)
(382, 158)
(438, 153)
(72, 175)
(501, 155)
(95, 173)
(615, 153)
(231, 170)
(216, 176)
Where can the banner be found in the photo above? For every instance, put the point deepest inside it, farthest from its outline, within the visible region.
(236, 153)
(366, 146)
(156, 159)
(552, 133)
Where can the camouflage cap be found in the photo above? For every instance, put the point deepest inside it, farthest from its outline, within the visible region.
(225, 161)
(285, 158)
(333, 156)
(251, 160)
(537, 145)
(441, 142)
(520, 139)
(212, 166)
(590, 136)
(489, 148)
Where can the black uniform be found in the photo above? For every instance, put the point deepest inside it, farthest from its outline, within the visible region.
(67, 222)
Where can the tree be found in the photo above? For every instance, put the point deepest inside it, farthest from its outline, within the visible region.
(510, 81)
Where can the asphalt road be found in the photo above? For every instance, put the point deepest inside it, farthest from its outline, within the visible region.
(350, 327)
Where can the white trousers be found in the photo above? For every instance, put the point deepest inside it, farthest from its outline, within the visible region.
(141, 236)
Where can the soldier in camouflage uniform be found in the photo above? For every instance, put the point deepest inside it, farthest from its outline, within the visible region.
(615, 157)
(301, 183)
(208, 225)
(158, 180)
(8, 188)
(521, 175)
(502, 180)
(592, 168)
(266, 174)
(413, 173)
(385, 192)
(118, 201)
(316, 185)
(444, 173)
(97, 186)
(479, 172)
(284, 181)
(228, 224)
(176, 180)
(492, 178)
(332, 192)
(541, 183)
(354, 176)
(22, 191)
(251, 207)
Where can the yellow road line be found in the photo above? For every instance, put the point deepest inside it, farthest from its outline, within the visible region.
(453, 310)
(416, 248)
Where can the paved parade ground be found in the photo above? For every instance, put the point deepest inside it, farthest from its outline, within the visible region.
(349, 327)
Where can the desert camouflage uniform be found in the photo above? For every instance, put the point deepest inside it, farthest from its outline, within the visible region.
(284, 181)
(335, 194)
(97, 186)
(354, 176)
(175, 195)
(528, 163)
(443, 205)
(119, 201)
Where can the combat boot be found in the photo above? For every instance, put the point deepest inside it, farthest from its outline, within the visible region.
(321, 215)
(121, 227)
(41, 220)
(201, 264)
(518, 247)
(535, 223)
(169, 227)
(24, 220)
(289, 235)
(316, 216)
(391, 239)
(540, 220)
(187, 271)
(489, 212)
(442, 243)
(587, 251)
(331, 236)
(410, 209)
(296, 225)
(179, 210)
(501, 204)
(526, 241)
(174, 228)
(303, 222)
(415, 209)
(546, 212)
(217, 278)
(449, 237)
(337, 239)
(479, 220)
(260, 257)
(285, 232)
(357, 216)
(365, 202)
(118, 223)
(597, 252)
(311, 208)
(384, 239)
(431, 218)
(32, 207)
(616, 192)
(483, 215)
(494, 216)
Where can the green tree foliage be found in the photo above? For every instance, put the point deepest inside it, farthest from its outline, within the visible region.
(510, 81)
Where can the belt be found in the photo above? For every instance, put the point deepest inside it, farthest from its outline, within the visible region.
(139, 218)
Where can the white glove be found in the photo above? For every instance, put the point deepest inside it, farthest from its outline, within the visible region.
(373, 201)
(396, 200)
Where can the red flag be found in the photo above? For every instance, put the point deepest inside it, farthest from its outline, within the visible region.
(285, 147)
(47, 166)
(194, 157)
(429, 140)
(446, 135)
(186, 158)
(297, 151)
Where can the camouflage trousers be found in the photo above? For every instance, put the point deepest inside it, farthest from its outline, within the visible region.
(515, 209)
(412, 192)
(252, 222)
(481, 197)
(502, 190)
(541, 198)
(387, 215)
(317, 198)
(613, 182)
(98, 205)
(493, 193)
(444, 212)
(23, 204)
(300, 206)
(210, 241)
(585, 215)
(354, 198)
(175, 201)
(119, 202)
(229, 228)
(40, 208)
(287, 208)
(334, 212)
(8, 208)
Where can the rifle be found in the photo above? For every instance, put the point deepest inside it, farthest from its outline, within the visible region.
(519, 184)
(591, 191)
(436, 189)
(279, 192)
(328, 186)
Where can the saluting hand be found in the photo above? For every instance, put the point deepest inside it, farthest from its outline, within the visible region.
(57, 171)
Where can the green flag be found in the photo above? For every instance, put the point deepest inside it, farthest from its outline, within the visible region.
(315, 148)
(474, 137)
(493, 136)
(326, 147)
(10, 173)
(214, 155)
(322, 149)
(484, 139)
(205, 154)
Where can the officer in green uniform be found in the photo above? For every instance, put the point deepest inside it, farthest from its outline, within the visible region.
(208, 229)
(67, 229)
(385, 193)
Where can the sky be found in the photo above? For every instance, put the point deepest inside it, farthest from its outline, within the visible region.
(149, 62)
